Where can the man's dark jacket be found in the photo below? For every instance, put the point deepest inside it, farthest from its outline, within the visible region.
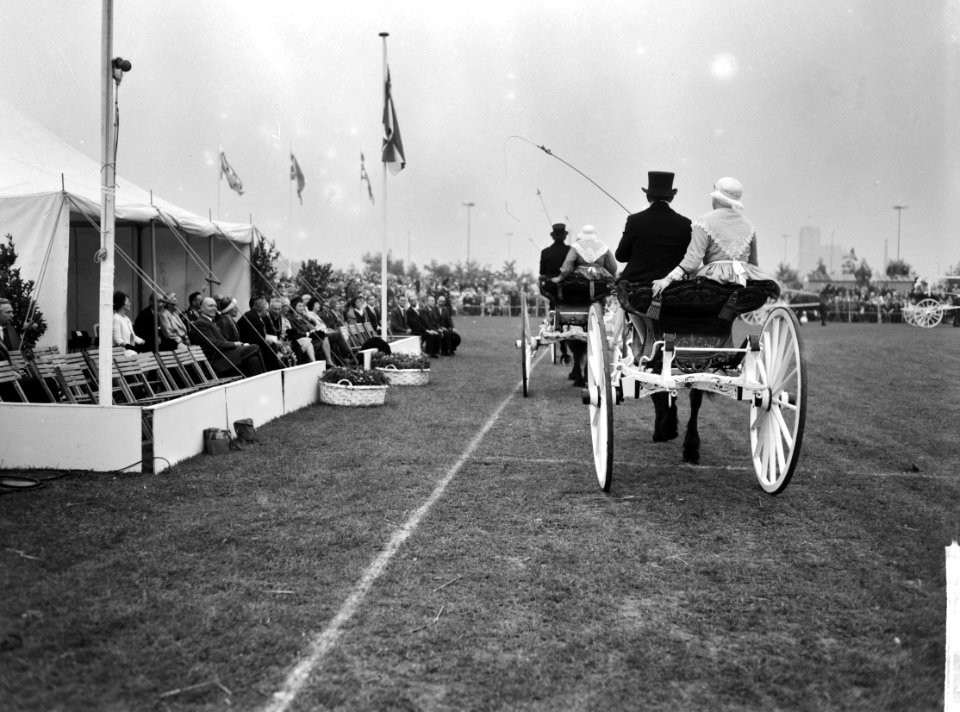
(551, 258)
(654, 242)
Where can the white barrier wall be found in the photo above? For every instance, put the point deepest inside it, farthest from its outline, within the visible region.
(178, 425)
(259, 398)
(301, 385)
(70, 437)
(407, 345)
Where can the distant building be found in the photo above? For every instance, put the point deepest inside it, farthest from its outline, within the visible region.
(811, 250)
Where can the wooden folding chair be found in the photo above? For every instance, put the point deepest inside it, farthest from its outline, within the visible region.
(200, 364)
(158, 378)
(178, 374)
(11, 376)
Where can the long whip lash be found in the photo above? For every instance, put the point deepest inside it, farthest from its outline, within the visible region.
(570, 165)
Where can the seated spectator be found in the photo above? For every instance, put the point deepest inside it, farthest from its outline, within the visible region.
(147, 327)
(430, 340)
(332, 323)
(227, 357)
(227, 313)
(10, 340)
(173, 330)
(430, 315)
(397, 317)
(123, 334)
(446, 322)
(253, 330)
(193, 306)
(372, 311)
(306, 333)
(355, 311)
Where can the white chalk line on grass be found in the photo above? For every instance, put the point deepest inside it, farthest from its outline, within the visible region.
(323, 643)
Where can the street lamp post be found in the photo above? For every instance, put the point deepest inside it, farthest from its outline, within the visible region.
(469, 205)
(509, 240)
(899, 209)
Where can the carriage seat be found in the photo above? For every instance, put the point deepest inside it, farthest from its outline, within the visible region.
(572, 297)
(695, 312)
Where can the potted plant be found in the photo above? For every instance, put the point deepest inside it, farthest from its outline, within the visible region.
(353, 386)
(403, 369)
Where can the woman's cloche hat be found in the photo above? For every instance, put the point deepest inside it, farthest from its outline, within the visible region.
(728, 191)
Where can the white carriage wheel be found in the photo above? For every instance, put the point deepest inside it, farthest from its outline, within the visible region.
(929, 313)
(756, 317)
(776, 424)
(599, 396)
(526, 352)
(909, 314)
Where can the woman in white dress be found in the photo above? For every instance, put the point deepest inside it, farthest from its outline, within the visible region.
(589, 256)
(723, 240)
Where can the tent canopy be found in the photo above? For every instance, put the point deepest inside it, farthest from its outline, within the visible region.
(50, 202)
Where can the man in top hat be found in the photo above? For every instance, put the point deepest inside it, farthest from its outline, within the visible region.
(551, 260)
(654, 242)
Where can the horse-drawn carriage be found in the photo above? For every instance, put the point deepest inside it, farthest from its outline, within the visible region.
(682, 341)
(566, 321)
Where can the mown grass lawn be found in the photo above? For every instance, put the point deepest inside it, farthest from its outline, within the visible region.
(524, 587)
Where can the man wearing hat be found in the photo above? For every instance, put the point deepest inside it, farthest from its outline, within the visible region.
(551, 260)
(228, 357)
(654, 241)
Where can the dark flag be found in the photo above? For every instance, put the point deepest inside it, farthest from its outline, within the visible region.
(392, 144)
(365, 177)
(297, 175)
(233, 180)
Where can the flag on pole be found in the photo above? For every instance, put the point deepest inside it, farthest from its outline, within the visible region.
(233, 180)
(297, 175)
(365, 177)
(392, 145)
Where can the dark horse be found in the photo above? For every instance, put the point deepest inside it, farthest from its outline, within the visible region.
(665, 423)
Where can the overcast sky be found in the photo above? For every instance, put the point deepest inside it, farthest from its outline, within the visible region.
(829, 112)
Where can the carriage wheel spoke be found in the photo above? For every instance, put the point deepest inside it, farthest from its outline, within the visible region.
(784, 429)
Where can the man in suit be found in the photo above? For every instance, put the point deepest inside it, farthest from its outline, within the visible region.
(372, 310)
(253, 330)
(226, 357)
(431, 319)
(551, 260)
(9, 338)
(397, 317)
(654, 242)
(417, 321)
(446, 322)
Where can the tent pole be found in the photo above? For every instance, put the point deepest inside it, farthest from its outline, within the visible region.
(107, 208)
(153, 271)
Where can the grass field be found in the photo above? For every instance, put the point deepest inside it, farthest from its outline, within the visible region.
(522, 586)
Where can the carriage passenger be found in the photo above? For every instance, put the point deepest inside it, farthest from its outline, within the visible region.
(589, 257)
(723, 240)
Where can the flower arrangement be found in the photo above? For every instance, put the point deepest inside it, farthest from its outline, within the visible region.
(355, 376)
(401, 361)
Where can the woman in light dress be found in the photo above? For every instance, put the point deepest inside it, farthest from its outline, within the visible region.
(723, 240)
(589, 256)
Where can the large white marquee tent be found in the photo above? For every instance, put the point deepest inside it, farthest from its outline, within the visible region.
(50, 204)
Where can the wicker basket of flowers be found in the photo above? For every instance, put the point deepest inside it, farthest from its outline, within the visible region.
(403, 369)
(353, 387)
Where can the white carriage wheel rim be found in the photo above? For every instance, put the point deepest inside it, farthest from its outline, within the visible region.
(525, 355)
(601, 415)
(930, 313)
(776, 432)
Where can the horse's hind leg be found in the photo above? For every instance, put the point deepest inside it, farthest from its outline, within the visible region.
(665, 420)
(691, 441)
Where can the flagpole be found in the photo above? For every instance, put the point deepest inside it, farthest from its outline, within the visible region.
(107, 208)
(383, 251)
(290, 212)
(219, 176)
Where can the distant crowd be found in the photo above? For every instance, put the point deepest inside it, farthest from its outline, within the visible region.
(280, 331)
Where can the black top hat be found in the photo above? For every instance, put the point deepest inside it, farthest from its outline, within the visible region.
(559, 229)
(660, 185)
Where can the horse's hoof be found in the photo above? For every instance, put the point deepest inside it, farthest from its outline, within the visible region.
(571, 376)
(579, 383)
(691, 451)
